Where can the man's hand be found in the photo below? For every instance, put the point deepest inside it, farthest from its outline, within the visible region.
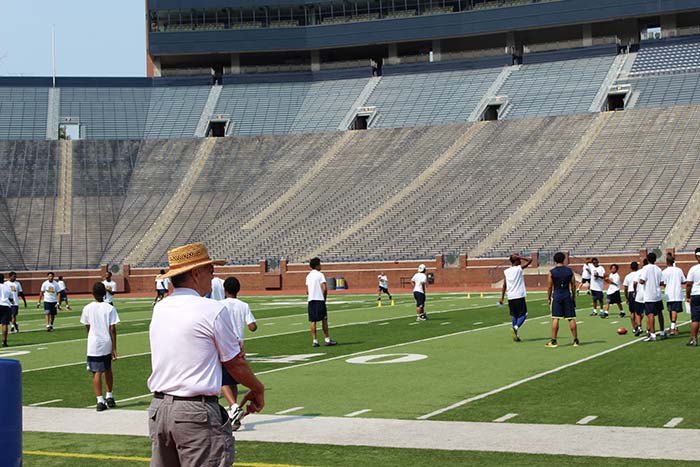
(114, 355)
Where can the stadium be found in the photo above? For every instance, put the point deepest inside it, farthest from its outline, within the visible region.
(383, 137)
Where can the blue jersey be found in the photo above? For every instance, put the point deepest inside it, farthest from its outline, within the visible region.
(561, 280)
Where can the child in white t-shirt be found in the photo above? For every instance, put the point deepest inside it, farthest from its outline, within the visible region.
(100, 319)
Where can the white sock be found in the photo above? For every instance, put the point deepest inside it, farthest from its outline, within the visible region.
(673, 325)
(100, 400)
(328, 339)
(234, 406)
(315, 341)
(515, 327)
(110, 395)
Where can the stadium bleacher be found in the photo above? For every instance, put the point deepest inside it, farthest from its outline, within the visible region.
(23, 113)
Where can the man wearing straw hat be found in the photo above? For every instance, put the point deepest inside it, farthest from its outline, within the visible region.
(191, 337)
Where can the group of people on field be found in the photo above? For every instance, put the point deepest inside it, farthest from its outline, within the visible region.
(642, 289)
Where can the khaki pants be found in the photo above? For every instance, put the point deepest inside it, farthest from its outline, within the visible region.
(189, 434)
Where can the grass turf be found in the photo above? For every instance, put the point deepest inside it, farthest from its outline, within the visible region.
(286, 454)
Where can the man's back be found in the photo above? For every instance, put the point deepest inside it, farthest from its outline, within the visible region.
(100, 316)
(241, 316)
(314, 279)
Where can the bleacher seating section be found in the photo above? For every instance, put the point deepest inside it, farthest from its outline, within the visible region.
(23, 113)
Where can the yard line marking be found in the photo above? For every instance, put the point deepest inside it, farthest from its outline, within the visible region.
(79, 363)
(445, 323)
(383, 324)
(478, 322)
(37, 404)
(587, 420)
(674, 422)
(42, 348)
(528, 379)
(579, 322)
(413, 323)
(614, 322)
(78, 455)
(293, 409)
(359, 412)
(506, 417)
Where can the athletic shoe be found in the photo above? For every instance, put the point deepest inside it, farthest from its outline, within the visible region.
(17, 327)
(637, 332)
(235, 414)
(49, 328)
(603, 315)
(235, 426)
(622, 314)
(315, 344)
(662, 335)
(594, 313)
(330, 343)
(674, 332)
(650, 338)
(4, 344)
(552, 344)
(101, 407)
(110, 402)
(514, 334)
(68, 307)
(421, 317)
(692, 343)
(576, 343)
(12, 329)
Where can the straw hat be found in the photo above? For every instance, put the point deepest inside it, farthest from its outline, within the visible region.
(188, 257)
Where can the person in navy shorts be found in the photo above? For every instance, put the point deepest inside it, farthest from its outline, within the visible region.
(561, 296)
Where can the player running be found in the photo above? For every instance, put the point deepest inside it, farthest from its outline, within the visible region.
(383, 287)
(17, 293)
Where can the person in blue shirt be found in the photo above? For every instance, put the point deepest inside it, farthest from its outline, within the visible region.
(561, 296)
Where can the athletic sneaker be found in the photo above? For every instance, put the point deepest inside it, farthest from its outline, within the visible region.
(594, 313)
(552, 344)
(662, 335)
(110, 402)
(514, 334)
(17, 327)
(421, 317)
(101, 407)
(330, 343)
(49, 328)
(12, 329)
(315, 344)
(4, 344)
(692, 343)
(235, 426)
(235, 414)
(622, 314)
(576, 342)
(603, 315)
(637, 332)
(650, 338)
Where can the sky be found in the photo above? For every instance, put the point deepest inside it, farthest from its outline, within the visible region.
(93, 37)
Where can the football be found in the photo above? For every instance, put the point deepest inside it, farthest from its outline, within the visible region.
(622, 331)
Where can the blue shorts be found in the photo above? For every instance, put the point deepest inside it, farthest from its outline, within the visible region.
(597, 295)
(5, 315)
(517, 307)
(675, 306)
(226, 378)
(317, 311)
(653, 308)
(614, 298)
(63, 294)
(99, 364)
(161, 292)
(50, 308)
(633, 305)
(420, 299)
(14, 310)
(563, 307)
(695, 308)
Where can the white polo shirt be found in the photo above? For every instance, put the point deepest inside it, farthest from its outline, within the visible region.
(314, 279)
(5, 295)
(217, 289)
(615, 286)
(694, 277)
(241, 316)
(597, 282)
(111, 287)
(160, 284)
(515, 283)
(419, 279)
(190, 336)
(49, 289)
(651, 274)
(630, 280)
(383, 281)
(15, 290)
(673, 279)
(100, 316)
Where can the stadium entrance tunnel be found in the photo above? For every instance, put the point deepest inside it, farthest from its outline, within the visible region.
(617, 97)
(217, 128)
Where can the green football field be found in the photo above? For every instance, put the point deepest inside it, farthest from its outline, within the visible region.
(461, 364)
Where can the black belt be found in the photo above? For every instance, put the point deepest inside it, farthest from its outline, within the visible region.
(160, 395)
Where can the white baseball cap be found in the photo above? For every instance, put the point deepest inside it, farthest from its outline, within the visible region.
(421, 268)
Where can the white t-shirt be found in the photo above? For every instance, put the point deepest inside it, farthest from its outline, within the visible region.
(190, 336)
(111, 287)
(630, 280)
(673, 279)
(694, 277)
(240, 314)
(586, 271)
(15, 289)
(49, 289)
(515, 283)
(314, 279)
(651, 274)
(419, 279)
(6, 295)
(160, 284)
(597, 282)
(217, 289)
(639, 293)
(383, 281)
(100, 316)
(615, 286)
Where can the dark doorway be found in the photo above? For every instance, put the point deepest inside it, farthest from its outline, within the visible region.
(616, 102)
(491, 112)
(360, 122)
(216, 129)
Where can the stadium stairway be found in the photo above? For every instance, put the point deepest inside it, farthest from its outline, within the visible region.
(65, 188)
(169, 213)
(545, 190)
(411, 187)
